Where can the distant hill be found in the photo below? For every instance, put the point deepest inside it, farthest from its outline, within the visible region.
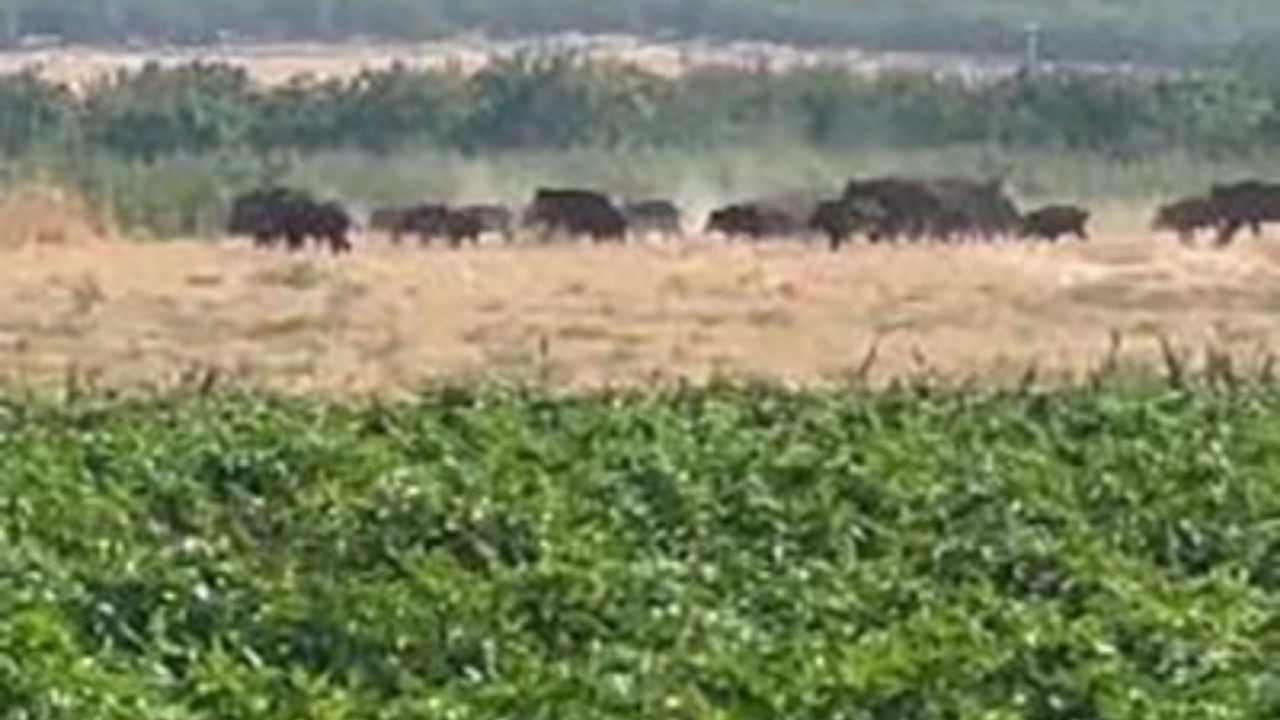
(1168, 32)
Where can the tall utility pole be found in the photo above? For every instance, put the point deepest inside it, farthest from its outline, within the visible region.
(1031, 51)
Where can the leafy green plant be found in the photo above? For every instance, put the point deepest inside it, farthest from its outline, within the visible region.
(730, 551)
(166, 111)
(34, 114)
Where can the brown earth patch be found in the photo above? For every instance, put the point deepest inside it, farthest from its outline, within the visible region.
(389, 318)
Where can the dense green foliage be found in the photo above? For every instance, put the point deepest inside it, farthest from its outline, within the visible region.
(1175, 31)
(557, 103)
(708, 553)
(166, 148)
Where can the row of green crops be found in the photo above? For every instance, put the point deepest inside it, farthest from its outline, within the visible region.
(725, 552)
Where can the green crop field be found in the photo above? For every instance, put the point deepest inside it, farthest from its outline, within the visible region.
(722, 552)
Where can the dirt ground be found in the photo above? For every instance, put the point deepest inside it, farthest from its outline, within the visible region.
(120, 312)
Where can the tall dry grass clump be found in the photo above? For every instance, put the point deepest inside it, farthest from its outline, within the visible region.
(42, 214)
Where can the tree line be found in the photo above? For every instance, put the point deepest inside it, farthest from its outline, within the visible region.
(560, 104)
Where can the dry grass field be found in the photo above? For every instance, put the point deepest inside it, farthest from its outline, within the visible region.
(117, 312)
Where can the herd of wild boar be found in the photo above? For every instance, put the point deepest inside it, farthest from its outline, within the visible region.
(881, 210)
